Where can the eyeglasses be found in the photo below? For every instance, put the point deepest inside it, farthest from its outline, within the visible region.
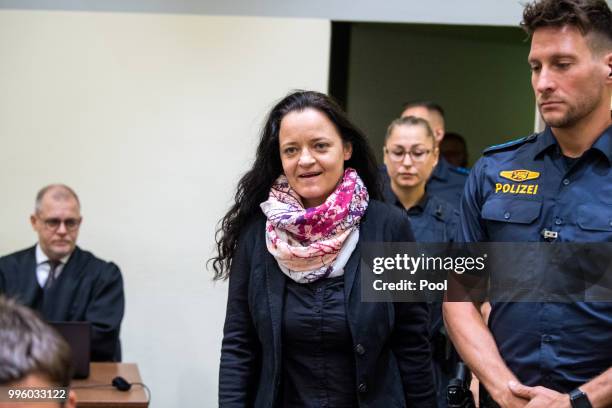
(70, 224)
(416, 155)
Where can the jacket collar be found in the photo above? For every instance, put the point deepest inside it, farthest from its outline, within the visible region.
(441, 171)
(350, 272)
(275, 286)
(30, 288)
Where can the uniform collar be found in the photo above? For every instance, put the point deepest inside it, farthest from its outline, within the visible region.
(391, 198)
(547, 140)
(441, 170)
(419, 208)
(604, 144)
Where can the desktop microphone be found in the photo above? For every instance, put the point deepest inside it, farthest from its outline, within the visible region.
(121, 384)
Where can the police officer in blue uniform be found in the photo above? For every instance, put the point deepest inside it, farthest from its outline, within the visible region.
(446, 181)
(410, 154)
(431, 218)
(551, 186)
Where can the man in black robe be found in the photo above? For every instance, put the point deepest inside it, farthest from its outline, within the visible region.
(63, 282)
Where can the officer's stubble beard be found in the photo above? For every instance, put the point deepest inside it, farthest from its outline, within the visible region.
(584, 106)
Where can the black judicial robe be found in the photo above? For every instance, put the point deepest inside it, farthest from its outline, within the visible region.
(88, 289)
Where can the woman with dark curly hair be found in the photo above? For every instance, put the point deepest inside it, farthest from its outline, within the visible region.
(296, 332)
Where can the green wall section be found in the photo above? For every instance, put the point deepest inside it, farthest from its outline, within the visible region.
(478, 74)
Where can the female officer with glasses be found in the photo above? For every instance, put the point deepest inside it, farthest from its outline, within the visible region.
(410, 155)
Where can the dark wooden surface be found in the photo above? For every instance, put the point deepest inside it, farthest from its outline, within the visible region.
(110, 397)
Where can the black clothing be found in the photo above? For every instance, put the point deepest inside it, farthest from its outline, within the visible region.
(88, 289)
(433, 220)
(389, 340)
(318, 362)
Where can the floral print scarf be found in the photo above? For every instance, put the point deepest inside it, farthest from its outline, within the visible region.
(315, 243)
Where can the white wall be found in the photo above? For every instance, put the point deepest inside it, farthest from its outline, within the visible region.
(151, 118)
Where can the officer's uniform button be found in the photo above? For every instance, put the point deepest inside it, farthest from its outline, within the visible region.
(507, 215)
(558, 221)
(362, 388)
(566, 182)
(359, 349)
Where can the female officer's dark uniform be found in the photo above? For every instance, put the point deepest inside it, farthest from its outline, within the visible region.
(433, 220)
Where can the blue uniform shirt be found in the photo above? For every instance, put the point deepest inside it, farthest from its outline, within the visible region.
(447, 182)
(514, 192)
(432, 219)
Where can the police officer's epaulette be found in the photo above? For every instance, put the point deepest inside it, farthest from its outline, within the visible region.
(509, 145)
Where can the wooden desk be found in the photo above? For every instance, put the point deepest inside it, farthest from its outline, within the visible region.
(110, 397)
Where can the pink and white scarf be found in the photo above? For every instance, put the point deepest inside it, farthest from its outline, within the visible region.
(315, 243)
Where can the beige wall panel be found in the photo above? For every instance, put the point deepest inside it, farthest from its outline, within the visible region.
(151, 118)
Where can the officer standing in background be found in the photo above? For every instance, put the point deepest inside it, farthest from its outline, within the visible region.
(547, 354)
(446, 181)
(410, 155)
(454, 149)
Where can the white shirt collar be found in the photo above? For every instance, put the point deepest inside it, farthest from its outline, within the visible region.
(41, 257)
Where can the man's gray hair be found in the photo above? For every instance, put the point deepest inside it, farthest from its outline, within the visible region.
(30, 346)
(58, 191)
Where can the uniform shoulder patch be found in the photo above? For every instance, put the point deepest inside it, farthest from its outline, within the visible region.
(509, 145)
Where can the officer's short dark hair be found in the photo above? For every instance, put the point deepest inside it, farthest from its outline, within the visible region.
(429, 105)
(30, 346)
(589, 16)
